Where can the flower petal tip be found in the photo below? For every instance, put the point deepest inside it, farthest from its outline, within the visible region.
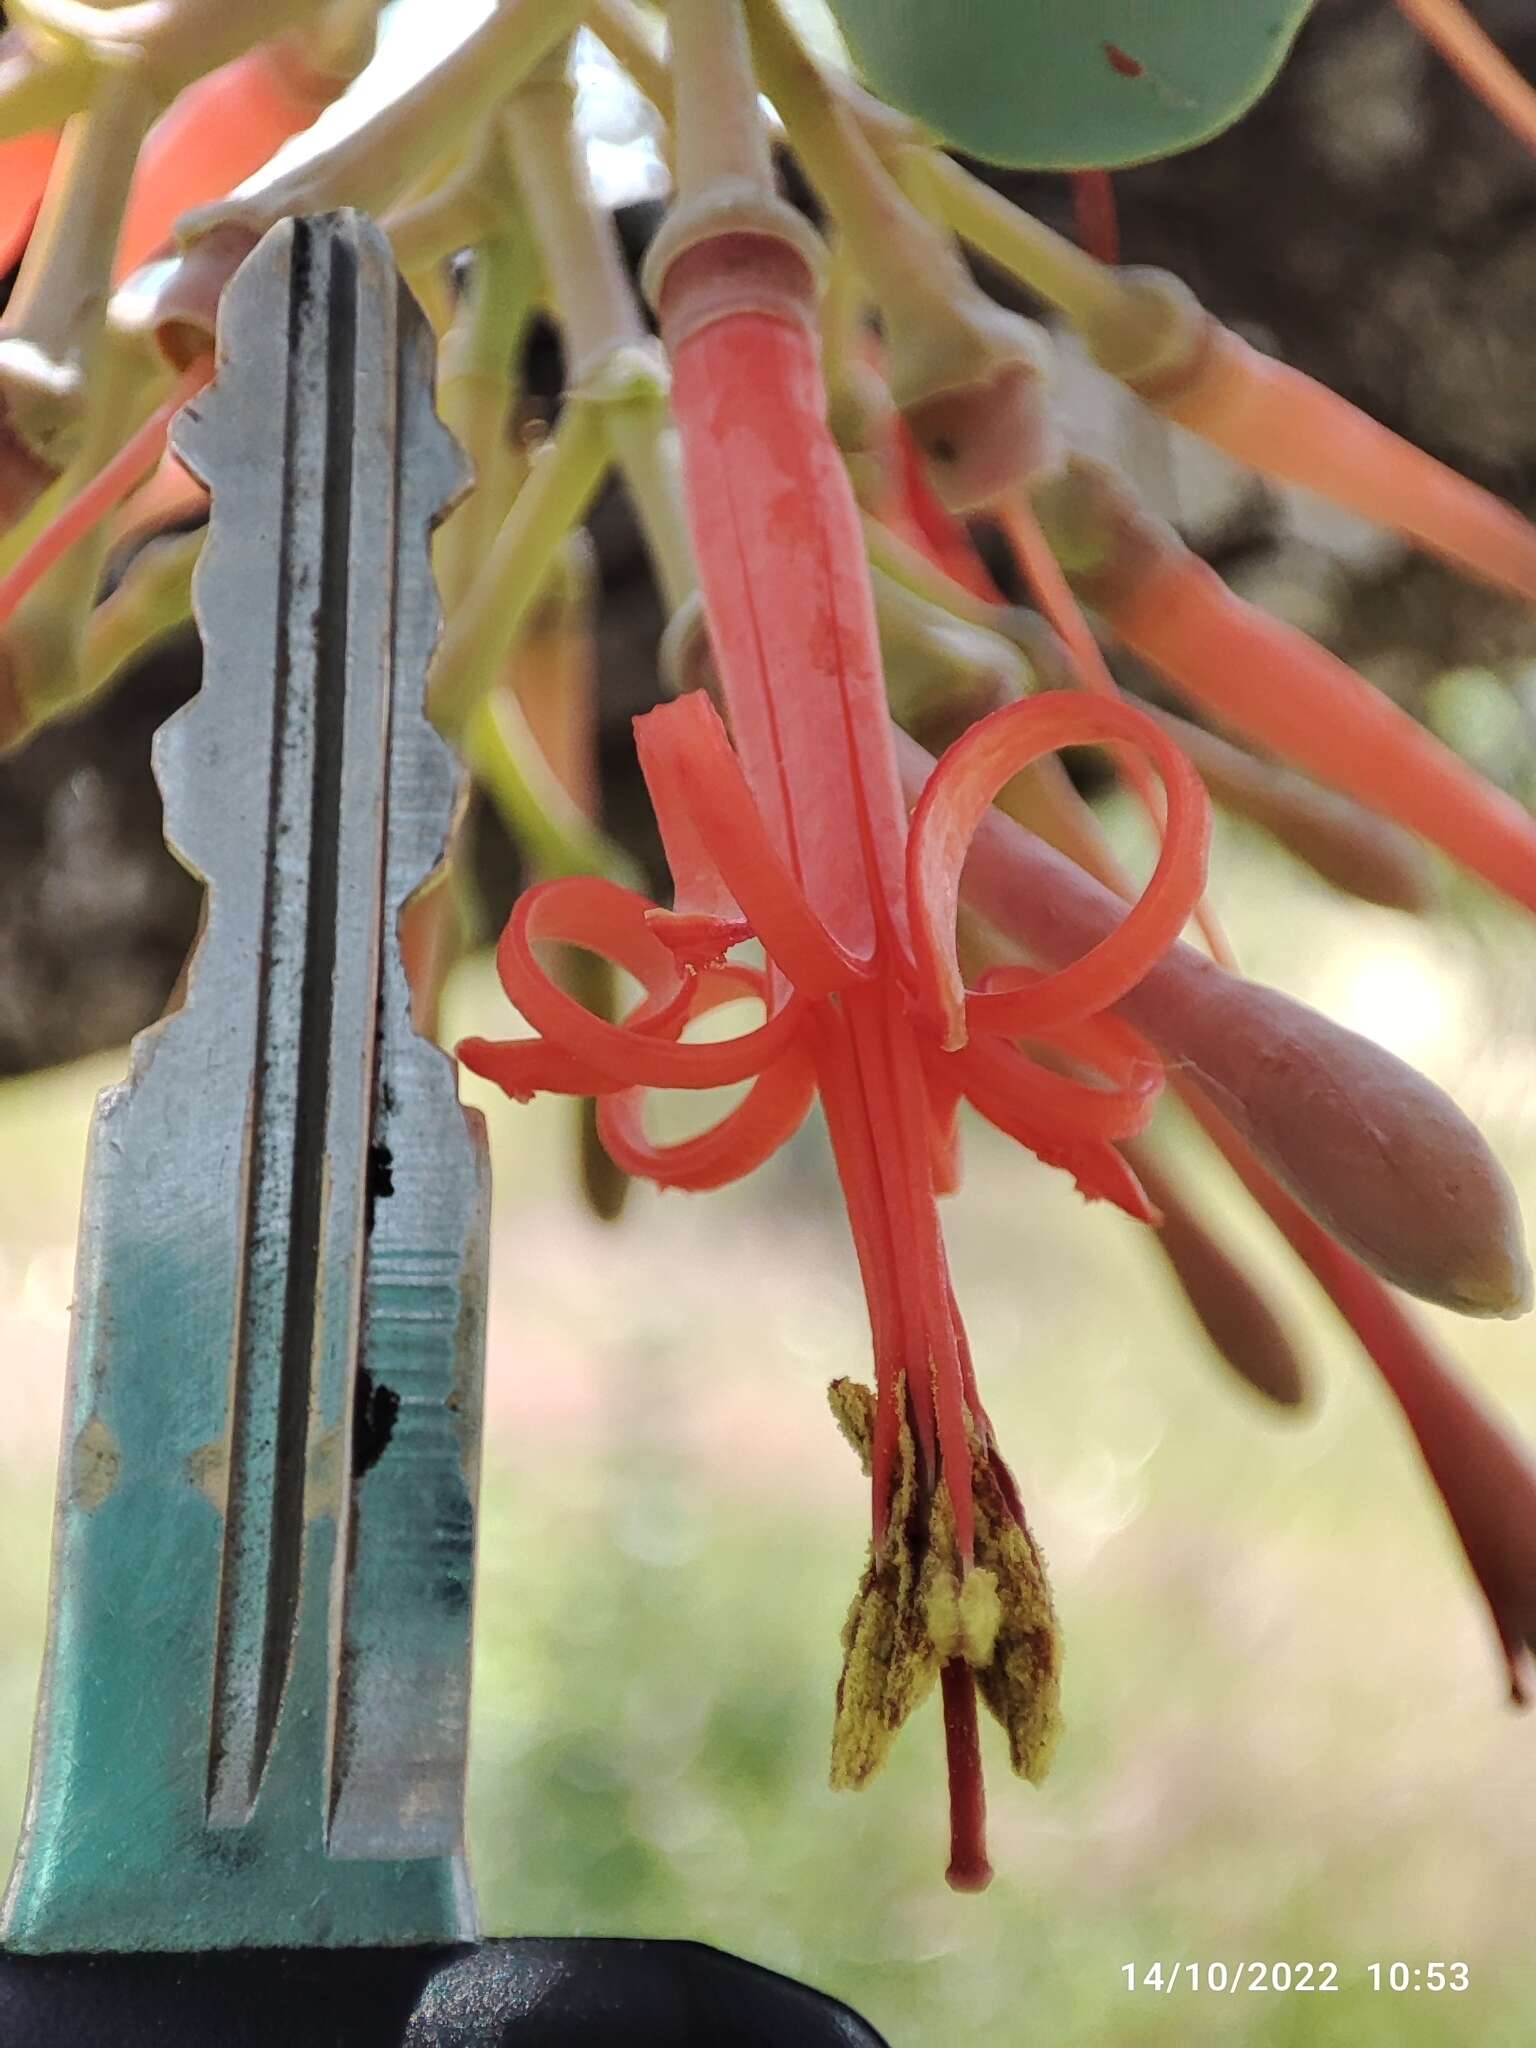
(697, 939)
(1500, 1286)
(1522, 1295)
(482, 1059)
(474, 1054)
(1518, 1658)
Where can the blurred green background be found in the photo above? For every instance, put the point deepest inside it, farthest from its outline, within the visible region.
(1287, 1737)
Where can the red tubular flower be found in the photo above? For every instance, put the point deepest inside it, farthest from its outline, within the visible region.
(1239, 1320)
(913, 512)
(216, 133)
(1381, 1157)
(25, 161)
(1467, 47)
(222, 128)
(1481, 1471)
(1277, 420)
(1268, 683)
(796, 835)
(105, 491)
(1286, 425)
(1272, 684)
(1259, 1082)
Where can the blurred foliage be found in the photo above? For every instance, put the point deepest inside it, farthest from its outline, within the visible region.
(1286, 1735)
(1489, 721)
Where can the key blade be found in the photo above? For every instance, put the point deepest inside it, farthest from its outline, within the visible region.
(253, 1719)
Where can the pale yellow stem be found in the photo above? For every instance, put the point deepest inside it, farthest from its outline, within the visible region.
(611, 358)
(380, 158)
(622, 30)
(560, 485)
(53, 326)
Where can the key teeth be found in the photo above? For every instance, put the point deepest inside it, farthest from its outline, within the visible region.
(446, 469)
(188, 436)
(213, 437)
(440, 477)
(187, 796)
(439, 784)
(199, 433)
(167, 760)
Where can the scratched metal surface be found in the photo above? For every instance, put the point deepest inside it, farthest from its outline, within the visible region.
(252, 1724)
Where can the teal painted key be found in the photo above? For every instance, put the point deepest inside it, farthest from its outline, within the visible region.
(253, 1718)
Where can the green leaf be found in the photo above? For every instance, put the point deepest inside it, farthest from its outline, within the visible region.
(1070, 84)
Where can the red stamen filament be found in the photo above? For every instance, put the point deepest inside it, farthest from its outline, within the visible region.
(105, 491)
(931, 527)
(1095, 216)
(969, 1869)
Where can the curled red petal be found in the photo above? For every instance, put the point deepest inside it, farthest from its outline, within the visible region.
(525, 1067)
(584, 910)
(696, 939)
(953, 805)
(690, 764)
(1063, 1121)
(698, 888)
(772, 1111)
(1382, 1157)
(1108, 1046)
(1113, 1048)
(1078, 1108)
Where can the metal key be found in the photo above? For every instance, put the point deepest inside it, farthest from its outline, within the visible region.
(253, 1717)
(245, 1820)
